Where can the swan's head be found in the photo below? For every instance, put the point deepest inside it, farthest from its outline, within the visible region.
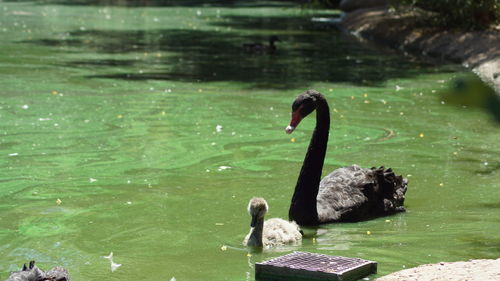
(303, 105)
(257, 208)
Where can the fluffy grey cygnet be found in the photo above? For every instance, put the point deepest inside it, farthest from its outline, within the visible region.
(272, 232)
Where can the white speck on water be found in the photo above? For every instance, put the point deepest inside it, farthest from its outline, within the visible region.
(25, 106)
(82, 28)
(129, 202)
(44, 119)
(198, 13)
(91, 180)
(442, 102)
(222, 168)
(233, 133)
(271, 108)
(173, 279)
(109, 257)
(114, 266)
(129, 181)
(218, 128)
(398, 88)
(156, 19)
(14, 154)
(213, 143)
(485, 163)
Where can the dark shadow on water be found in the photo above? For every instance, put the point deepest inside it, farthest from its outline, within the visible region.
(162, 3)
(307, 53)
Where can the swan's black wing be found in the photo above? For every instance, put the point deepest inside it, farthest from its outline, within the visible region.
(354, 194)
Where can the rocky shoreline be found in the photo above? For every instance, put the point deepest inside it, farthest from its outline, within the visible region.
(478, 51)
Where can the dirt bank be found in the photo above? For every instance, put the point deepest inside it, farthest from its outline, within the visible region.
(473, 270)
(476, 50)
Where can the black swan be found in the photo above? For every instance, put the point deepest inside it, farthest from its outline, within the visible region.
(33, 273)
(272, 232)
(259, 48)
(347, 194)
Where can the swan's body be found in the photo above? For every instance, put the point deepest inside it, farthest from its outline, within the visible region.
(347, 194)
(272, 232)
(33, 273)
(259, 48)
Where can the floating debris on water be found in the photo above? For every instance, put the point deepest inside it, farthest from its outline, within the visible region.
(91, 180)
(218, 128)
(222, 168)
(114, 266)
(58, 201)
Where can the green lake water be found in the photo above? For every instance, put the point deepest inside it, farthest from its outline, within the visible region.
(144, 130)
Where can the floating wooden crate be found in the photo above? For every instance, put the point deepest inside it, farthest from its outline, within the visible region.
(302, 266)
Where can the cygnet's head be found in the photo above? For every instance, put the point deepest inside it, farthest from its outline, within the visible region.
(257, 208)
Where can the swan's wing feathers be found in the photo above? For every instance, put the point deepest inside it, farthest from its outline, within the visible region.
(353, 193)
(343, 192)
(280, 232)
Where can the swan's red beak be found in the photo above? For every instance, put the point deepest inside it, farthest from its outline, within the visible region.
(296, 118)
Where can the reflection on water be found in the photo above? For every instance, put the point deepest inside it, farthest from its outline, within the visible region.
(143, 130)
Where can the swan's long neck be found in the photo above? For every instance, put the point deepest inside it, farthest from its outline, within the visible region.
(303, 209)
(255, 238)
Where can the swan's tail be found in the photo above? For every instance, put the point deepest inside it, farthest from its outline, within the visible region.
(392, 188)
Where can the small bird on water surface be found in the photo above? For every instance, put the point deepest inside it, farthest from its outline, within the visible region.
(259, 48)
(33, 273)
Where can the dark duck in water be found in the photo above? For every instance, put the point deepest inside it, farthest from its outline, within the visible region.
(259, 48)
(33, 273)
(346, 194)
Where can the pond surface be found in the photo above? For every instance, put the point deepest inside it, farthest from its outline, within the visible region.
(144, 131)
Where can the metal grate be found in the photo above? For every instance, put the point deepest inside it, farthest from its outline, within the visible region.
(310, 266)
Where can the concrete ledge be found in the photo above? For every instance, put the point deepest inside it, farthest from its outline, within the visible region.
(473, 270)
